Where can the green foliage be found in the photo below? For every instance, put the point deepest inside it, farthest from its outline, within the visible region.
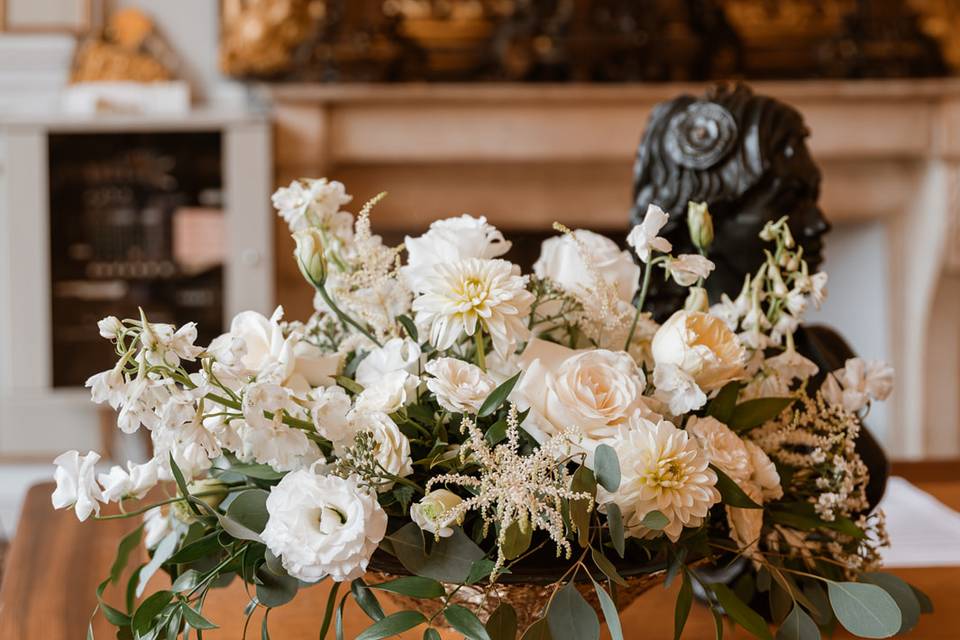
(539, 630)
(615, 524)
(464, 621)
(127, 544)
(607, 467)
(570, 617)
(682, 609)
(414, 586)
(655, 520)
(721, 406)
(740, 613)
(275, 590)
(194, 618)
(450, 559)
(149, 609)
(753, 413)
(409, 327)
(607, 567)
(902, 593)
(366, 599)
(392, 625)
(609, 609)
(502, 623)
(516, 540)
(731, 493)
(864, 609)
(798, 626)
(803, 516)
(583, 482)
(497, 397)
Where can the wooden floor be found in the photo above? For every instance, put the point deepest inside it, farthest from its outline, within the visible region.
(55, 563)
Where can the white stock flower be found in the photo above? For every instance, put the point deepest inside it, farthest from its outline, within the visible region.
(562, 261)
(269, 440)
(76, 484)
(473, 295)
(722, 446)
(447, 241)
(460, 387)
(857, 383)
(643, 237)
(313, 202)
(430, 512)
(389, 393)
(694, 347)
(592, 391)
(688, 268)
(136, 480)
(323, 526)
(662, 469)
(391, 448)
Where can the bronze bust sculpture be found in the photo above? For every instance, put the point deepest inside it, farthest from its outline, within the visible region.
(745, 155)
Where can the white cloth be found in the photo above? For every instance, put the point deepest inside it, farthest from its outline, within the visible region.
(924, 532)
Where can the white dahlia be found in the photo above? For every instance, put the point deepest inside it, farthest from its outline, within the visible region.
(323, 526)
(474, 294)
(662, 469)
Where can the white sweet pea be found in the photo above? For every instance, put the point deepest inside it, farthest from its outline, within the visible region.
(460, 387)
(191, 444)
(688, 268)
(108, 386)
(76, 484)
(323, 526)
(165, 345)
(313, 202)
(269, 440)
(432, 512)
(134, 481)
(448, 241)
(857, 383)
(110, 327)
(644, 237)
(562, 260)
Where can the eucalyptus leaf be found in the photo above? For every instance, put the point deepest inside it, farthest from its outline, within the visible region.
(864, 609)
(740, 612)
(366, 599)
(274, 590)
(414, 586)
(249, 509)
(539, 630)
(820, 608)
(753, 413)
(610, 613)
(480, 570)
(607, 567)
(798, 626)
(901, 592)
(502, 623)
(926, 605)
(731, 493)
(203, 547)
(516, 540)
(392, 625)
(615, 523)
(655, 520)
(607, 467)
(682, 609)
(497, 397)
(450, 559)
(583, 482)
(570, 617)
(149, 609)
(464, 621)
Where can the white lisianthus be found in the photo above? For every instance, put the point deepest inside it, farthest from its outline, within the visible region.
(269, 440)
(722, 447)
(662, 469)
(697, 347)
(76, 484)
(473, 295)
(391, 449)
(644, 237)
(432, 512)
(135, 481)
(323, 526)
(688, 268)
(388, 394)
(271, 356)
(313, 203)
(329, 407)
(562, 261)
(857, 383)
(593, 391)
(447, 241)
(460, 387)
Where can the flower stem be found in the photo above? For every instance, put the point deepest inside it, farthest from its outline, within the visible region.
(481, 354)
(643, 297)
(344, 318)
(142, 510)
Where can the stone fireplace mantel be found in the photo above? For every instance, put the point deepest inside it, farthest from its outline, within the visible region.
(527, 155)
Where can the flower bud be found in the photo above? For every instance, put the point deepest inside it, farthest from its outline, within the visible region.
(216, 489)
(700, 224)
(429, 513)
(309, 255)
(697, 300)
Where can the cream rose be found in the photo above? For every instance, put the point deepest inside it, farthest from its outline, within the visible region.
(746, 524)
(389, 393)
(561, 260)
(432, 512)
(593, 391)
(323, 526)
(459, 386)
(723, 447)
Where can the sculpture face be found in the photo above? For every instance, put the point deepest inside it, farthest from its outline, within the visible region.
(746, 157)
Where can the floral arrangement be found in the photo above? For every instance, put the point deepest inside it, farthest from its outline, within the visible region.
(444, 429)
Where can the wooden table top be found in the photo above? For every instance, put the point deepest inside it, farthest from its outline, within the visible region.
(55, 563)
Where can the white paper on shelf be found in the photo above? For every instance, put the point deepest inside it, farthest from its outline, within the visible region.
(924, 532)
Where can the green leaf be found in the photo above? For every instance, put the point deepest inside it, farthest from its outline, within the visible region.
(539, 630)
(864, 609)
(366, 599)
(431, 634)
(682, 610)
(463, 620)
(798, 626)
(274, 590)
(753, 413)
(150, 609)
(655, 520)
(722, 404)
(502, 623)
(607, 467)
(450, 559)
(392, 625)
(926, 605)
(740, 612)
(803, 516)
(130, 595)
(901, 592)
(409, 327)
(265, 627)
(570, 616)
(675, 566)
(607, 567)
(497, 397)
(194, 619)
(516, 540)
(114, 616)
(610, 613)
(328, 611)
(127, 544)
(819, 607)
(717, 623)
(249, 509)
(182, 484)
(186, 581)
(480, 570)
(160, 555)
(731, 493)
(583, 482)
(615, 523)
(257, 471)
(203, 547)
(497, 432)
(237, 530)
(350, 384)
(412, 586)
